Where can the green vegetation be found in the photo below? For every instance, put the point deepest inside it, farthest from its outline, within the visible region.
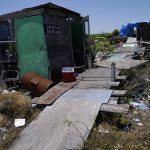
(101, 42)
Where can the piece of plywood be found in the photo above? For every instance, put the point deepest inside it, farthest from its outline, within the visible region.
(121, 64)
(54, 93)
(97, 84)
(64, 125)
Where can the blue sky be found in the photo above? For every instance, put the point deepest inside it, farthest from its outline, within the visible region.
(105, 15)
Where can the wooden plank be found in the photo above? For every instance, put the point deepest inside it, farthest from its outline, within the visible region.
(121, 77)
(113, 108)
(121, 64)
(54, 93)
(119, 92)
(98, 73)
(97, 84)
(95, 79)
(113, 100)
(64, 125)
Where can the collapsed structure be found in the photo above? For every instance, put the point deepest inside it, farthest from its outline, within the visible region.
(42, 40)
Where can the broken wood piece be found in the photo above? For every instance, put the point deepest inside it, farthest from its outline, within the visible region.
(121, 77)
(113, 100)
(119, 92)
(113, 108)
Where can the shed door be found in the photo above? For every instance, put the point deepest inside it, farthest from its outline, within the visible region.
(78, 42)
(58, 44)
(32, 53)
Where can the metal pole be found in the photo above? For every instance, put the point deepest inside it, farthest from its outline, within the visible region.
(70, 37)
(84, 48)
(113, 72)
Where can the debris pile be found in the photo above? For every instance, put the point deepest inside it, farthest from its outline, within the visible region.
(128, 131)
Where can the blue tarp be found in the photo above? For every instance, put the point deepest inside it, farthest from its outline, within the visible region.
(127, 30)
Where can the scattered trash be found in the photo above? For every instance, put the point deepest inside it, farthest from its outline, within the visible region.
(34, 105)
(102, 130)
(136, 120)
(2, 130)
(125, 129)
(4, 137)
(135, 104)
(5, 92)
(19, 122)
(140, 100)
(140, 124)
(13, 91)
(138, 105)
(144, 107)
(135, 112)
(149, 97)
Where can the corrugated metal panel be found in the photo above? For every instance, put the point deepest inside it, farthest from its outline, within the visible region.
(32, 53)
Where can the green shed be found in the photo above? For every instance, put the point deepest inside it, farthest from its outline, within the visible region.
(45, 38)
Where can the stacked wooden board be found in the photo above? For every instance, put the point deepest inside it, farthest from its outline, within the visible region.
(67, 123)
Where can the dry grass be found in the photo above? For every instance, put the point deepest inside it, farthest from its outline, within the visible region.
(15, 105)
(8, 137)
(12, 106)
(135, 139)
(138, 80)
(3, 120)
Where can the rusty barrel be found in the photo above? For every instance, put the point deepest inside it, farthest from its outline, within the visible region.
(36, 84)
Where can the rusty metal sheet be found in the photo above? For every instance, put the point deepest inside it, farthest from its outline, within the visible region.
(55, 92)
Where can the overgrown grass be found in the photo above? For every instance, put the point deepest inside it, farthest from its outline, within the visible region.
(135, 139)
(15, 105)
